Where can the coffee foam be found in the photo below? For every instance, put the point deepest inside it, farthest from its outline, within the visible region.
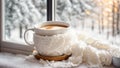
(53, 27)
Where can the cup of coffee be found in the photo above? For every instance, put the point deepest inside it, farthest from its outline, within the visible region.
(51, 28)
(48, 28)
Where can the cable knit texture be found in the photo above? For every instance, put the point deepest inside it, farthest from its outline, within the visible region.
(54, 45)
(84, 50)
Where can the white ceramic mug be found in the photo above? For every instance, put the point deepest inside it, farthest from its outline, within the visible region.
(42, 30)
(52, 45)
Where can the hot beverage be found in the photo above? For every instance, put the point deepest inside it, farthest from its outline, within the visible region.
(53, 27)
(48, 28)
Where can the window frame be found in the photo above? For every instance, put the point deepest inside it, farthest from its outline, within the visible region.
(6, 46)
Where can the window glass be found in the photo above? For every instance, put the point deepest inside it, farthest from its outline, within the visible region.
(77, 12)
(20, 15)
(100, 18)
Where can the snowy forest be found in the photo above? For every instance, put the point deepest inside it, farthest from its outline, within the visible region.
(22, 14)
(101, 17)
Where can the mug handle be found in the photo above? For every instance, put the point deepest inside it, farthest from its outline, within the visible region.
(31, 29)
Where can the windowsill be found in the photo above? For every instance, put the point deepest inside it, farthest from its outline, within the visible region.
(8, 60)
(15, 48)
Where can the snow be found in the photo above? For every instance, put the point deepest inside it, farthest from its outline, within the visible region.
(8, 60)
(24, 14)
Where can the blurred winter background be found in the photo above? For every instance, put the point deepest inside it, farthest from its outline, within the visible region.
(21, 15)
(100, 18)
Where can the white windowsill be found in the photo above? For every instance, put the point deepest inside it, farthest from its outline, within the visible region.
(8, 60)
(15, 48)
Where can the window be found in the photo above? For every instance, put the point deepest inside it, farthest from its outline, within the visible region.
(17, 16)
(101, 17)
(20, 15)
(76, 12)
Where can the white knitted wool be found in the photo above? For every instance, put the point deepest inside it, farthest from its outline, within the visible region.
(77, 51)
(54, 45)
(94, 54)
(105, 57)
(91, 56)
